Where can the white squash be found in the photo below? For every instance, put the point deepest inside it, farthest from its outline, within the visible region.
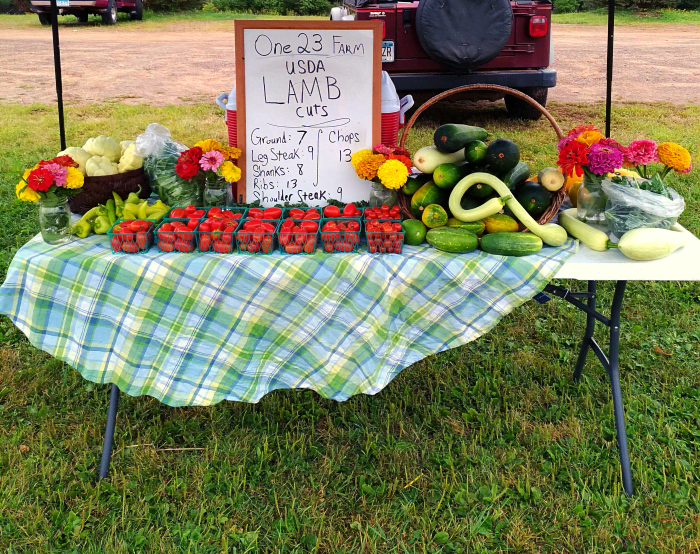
(651, 244)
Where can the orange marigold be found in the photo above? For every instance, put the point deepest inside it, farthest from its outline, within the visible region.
(589, 137)
(367, 168)
(674, 156)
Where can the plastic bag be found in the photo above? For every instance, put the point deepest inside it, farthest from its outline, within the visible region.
(160, 154)
(629, 207)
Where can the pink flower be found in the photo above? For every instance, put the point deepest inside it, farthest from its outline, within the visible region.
(613, 143)
(604, 159)
(686, 170)
(641, 152)
(563, 142)
(381, 149)
(211, 160)
(59, 174)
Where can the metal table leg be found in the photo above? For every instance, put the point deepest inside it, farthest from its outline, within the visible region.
(610, 365)
(109, 432)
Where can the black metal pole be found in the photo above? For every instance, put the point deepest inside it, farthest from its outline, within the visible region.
(590, 329)
(57, 67)
(109, 432)
(608, 93)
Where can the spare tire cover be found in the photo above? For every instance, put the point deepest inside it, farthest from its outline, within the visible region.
(463, 34)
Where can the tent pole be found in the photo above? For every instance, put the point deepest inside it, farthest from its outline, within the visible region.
(57, 67)
(608, 94)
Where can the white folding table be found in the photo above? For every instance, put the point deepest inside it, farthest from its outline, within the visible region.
(612, 265)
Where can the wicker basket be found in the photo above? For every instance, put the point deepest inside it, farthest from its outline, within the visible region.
(557, 197)
(97, 190)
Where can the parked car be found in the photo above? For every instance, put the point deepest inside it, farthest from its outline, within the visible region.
(435, 45)
(81, 9)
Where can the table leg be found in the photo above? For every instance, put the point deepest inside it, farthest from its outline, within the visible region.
(109, 432)
(588, 335)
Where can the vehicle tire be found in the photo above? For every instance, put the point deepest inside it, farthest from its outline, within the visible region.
(519, 109)
(44, 18)
(463, 35)
(110, 16)
(82, 17)
(137, 14)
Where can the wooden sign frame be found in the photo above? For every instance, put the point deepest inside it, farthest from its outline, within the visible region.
(242, 25)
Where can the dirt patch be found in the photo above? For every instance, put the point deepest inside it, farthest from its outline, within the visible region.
(192, 63)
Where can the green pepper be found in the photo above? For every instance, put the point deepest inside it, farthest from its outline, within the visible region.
(82, 229)
(111, 211)
(91, 214)
(142, 210)
(118, 204)
(102, 224)
(133, 197)
(131, 211)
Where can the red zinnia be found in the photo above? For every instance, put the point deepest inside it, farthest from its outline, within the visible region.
(403, 159)
(572, 157)
(401, 152)
(40, 179)
(188, 163)
(576, 131)
(64, 161)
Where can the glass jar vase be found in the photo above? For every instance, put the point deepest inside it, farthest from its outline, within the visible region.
(54, 220)
(216, 192)
(380, 195)
(591, 199)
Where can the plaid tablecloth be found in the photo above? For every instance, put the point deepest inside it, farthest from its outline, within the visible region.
(199, 329)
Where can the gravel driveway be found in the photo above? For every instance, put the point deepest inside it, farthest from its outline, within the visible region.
(194, 62)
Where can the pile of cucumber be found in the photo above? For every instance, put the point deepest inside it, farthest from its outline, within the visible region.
(468, 188)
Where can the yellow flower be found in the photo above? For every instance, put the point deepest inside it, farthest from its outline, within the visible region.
(230, 152)
(74, 178)
(674, 156)
(367, 168)
(393, 174)
(230, 172)
(28, 195)
(360, 155)
(589, 137)
(209, 145)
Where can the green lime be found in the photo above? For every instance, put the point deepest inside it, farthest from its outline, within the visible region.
(414, 232)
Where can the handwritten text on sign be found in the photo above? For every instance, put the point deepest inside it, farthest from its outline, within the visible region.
(308, 108)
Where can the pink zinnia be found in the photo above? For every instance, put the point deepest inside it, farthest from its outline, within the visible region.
(563, 142)
(59, 174)
(613, 143)
(381, 149)
(641, 152)
(686, 170)
(211, 160)
(604, 159)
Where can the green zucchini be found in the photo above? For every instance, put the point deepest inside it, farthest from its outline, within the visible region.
(447, 176)
(591, 237)
(429, 157)
(452, 239)
(452, 137)
(516, 175)
(476, 227)
(414, 182)
(552, 234)
(511, 244)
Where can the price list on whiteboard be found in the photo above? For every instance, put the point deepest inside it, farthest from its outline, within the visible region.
(311, 100)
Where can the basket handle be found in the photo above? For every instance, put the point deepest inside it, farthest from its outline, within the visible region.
(467, 88)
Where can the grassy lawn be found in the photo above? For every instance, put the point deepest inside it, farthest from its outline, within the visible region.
(600, 17)
(486, 448)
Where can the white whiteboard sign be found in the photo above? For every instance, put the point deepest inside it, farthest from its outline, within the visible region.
(310, 99)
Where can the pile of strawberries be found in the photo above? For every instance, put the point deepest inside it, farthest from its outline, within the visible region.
(131, 236)
(340, 236)
(385, 237)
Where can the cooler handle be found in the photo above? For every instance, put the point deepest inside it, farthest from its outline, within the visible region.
(406, 104)
(221, 100)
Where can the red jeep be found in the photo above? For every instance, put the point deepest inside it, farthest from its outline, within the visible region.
(435, 45)
(82, 8)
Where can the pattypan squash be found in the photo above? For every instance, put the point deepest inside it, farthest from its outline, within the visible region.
(125, 144)
(130, 160)
(100, 165)
(78, 155)
(104, 146)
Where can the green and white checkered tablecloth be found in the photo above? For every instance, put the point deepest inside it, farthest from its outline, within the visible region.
(199, 329)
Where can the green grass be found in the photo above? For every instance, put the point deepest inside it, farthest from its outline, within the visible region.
(600, 17)
(492, 445)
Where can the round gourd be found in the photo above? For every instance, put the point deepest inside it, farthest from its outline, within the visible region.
(414, 182)
(414, 232)
(502, 155)
(447, 176)
(428, 194)
(475, 152)
(434, 216)
(534, 198)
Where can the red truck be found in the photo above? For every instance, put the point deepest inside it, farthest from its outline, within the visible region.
(431, 46)
(81, 9)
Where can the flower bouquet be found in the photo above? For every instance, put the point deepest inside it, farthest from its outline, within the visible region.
(51, 183)
(210, 160)
(387, 167)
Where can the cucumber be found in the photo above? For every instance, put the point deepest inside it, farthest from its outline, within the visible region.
(502, 155)
(550, 178)
(517, 175)
(447, 176)
(429, 157)
(476, 227)
(453, 239)
(452, 137)
(500, 223)
(428, 194)
(511, 244)
(414, 182)
(552, 234)
(475, 152)
(590, 236)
